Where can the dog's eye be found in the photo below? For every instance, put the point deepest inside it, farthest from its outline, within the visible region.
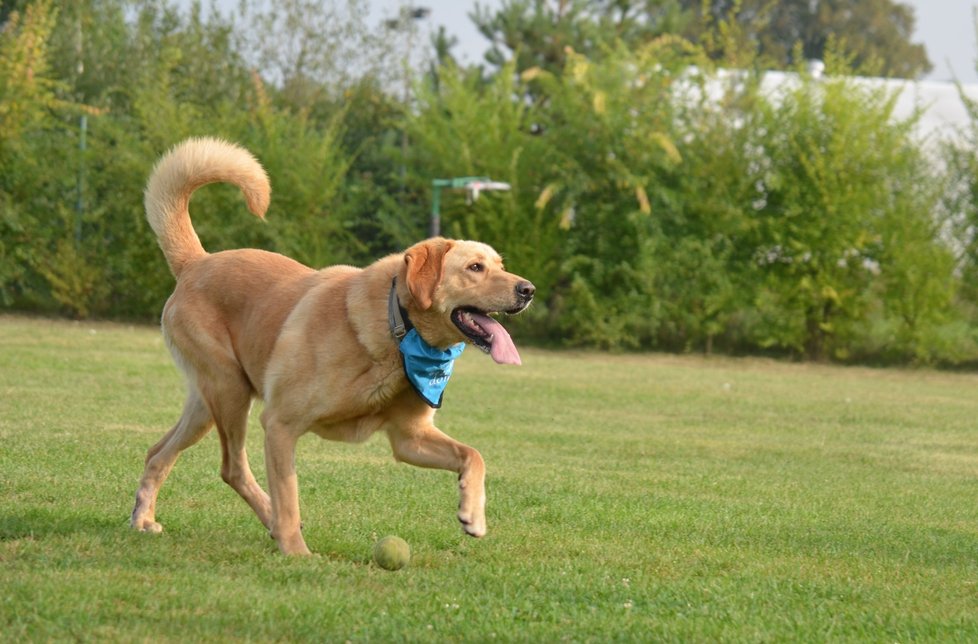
(477, 267)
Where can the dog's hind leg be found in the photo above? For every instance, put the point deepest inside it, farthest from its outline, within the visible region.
(193, 425)
(231, 407)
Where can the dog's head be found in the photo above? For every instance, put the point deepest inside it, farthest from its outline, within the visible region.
(454, 286)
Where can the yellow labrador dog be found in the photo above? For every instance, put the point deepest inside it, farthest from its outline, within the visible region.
(337, 352)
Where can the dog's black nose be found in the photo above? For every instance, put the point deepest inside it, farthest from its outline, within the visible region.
(525, 290)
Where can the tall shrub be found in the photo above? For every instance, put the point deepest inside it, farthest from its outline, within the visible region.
(37, 226)
(845, 224)
(611, 126)
(71, 215)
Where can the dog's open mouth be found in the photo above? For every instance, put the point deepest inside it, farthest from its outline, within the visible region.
(487, 334)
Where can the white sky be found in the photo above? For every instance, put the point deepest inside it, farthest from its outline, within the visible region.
(947, 28)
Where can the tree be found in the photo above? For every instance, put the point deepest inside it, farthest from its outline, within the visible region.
(313, 49)
(609, 125)
(843, 225)
(538, 32)
(27, 90)
(154, 76)
(8, 7)
(960, 199)
(877, 33)
(29, 110)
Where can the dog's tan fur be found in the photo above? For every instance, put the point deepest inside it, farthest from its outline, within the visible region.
(315, 345)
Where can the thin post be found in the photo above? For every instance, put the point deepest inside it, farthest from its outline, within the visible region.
(435, 228)
(82, 133)
(457, 183)
(80, 197)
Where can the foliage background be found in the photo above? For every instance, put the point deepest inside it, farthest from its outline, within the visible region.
(660, 199)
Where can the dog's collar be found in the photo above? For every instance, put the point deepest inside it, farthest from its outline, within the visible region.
(397, 317)
(426, 368)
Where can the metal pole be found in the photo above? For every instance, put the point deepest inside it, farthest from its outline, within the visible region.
(457, 183)
(80, 203)
(82, 133)
(436, 210)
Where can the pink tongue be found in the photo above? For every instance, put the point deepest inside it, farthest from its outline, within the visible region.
(503, 350)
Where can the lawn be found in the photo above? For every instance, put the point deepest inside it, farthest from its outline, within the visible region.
(631, 498)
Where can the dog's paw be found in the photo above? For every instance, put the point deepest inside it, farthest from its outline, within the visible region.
(473, 526)
(151, 527)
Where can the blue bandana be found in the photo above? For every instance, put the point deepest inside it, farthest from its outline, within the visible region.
(428, 368)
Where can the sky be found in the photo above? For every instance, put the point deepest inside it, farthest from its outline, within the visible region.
(946, 27)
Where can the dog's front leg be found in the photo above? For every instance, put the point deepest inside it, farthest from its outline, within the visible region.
(283, 487)
(426, 446)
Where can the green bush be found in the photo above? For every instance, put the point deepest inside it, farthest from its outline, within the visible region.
(657, 202)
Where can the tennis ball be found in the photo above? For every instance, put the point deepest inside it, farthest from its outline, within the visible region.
(392, 553)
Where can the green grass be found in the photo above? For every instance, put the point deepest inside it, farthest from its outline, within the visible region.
(630, 498)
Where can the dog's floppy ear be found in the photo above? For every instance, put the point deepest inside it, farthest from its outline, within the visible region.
(424, 269)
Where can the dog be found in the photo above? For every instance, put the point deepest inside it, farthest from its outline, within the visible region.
(336, 352)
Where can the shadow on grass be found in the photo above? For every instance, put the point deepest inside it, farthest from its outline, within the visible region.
(38, 523)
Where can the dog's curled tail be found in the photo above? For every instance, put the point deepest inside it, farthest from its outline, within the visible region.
(188, 166)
